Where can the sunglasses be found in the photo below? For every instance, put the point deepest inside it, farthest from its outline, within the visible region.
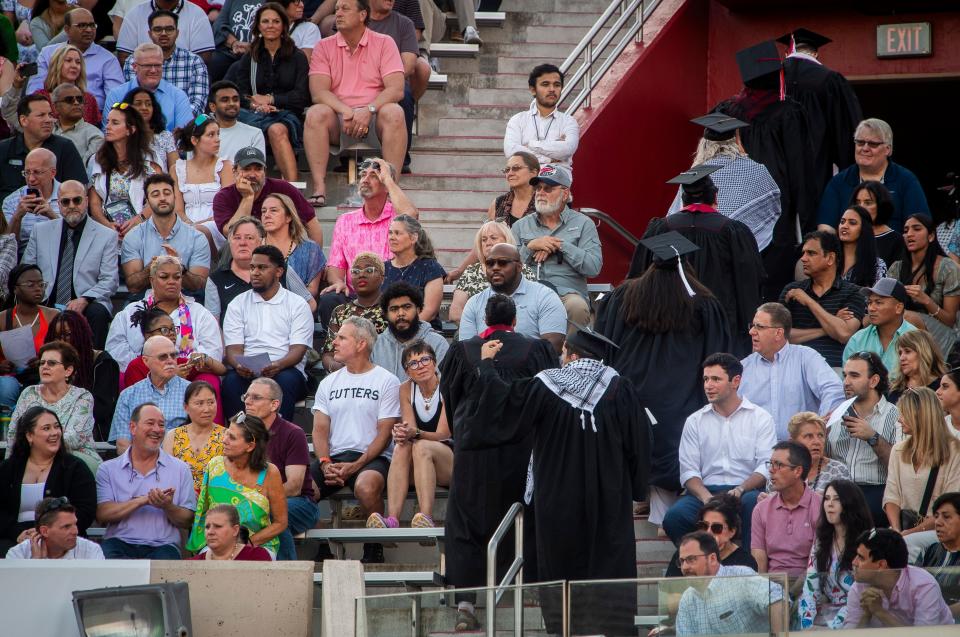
(498, 262)
(168, 356)
(70, 201)
(512, 169)
(120, 106)
(55, 504)
(49, 362)
(868, 143)
(72, 99)
(716, 528)
(200, 119)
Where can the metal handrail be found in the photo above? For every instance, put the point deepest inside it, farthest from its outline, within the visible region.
(615, 225)
(632, 16)
(514, 518)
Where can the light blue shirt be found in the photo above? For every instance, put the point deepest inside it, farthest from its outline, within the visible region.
(173, 102)
(797, 379)
(539, 311)
(103, 71)
(868, 340)
(145, 242)
(169, 399)
(11, 201)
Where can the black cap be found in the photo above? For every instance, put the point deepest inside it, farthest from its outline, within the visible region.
(719, 127)
(249, 155)
(695, 174)
(586, 340)
(805, 36)
(758, 60)
(669, 245)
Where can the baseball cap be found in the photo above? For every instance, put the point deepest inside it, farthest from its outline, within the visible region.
(553, 174)
(249, 155)
(890, 287)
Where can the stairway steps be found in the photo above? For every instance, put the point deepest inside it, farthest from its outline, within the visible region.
(452, 126)
(437, 162)
(453, 199)
(465, 142)
(501, 112)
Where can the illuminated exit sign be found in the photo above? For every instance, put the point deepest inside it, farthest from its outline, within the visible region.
(909, 39)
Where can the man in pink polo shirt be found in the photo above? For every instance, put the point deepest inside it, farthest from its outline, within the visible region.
(363, 230)
(784, 524)
(356, 81)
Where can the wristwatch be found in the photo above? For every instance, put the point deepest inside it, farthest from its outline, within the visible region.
(873, 440)
(372, 109)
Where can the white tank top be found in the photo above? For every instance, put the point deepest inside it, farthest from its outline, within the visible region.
(30, 496)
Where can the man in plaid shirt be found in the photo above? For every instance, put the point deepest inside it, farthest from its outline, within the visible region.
(182, 68)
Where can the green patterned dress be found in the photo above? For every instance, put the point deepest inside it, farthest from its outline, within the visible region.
(219, 488)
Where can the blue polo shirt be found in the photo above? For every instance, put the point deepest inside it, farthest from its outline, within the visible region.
(868, 340)
(173, 102)
(905, 191)
(145, 242)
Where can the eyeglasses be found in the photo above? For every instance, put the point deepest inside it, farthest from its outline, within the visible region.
(690, 559)
(716, 528)
(867, 142)
(49, 362)
(166, 331)
(367, 270)
(499, 262)
(70, 201)
(85, 25)
(773, 465)
(200, 119)
(33, 173)
(758, 327)
(32, 284)
(150, 67)
(512, 169)
(166, 356)
(72, 99)
(417, 363)
(167, 29)
(120, 106)
(255, 397)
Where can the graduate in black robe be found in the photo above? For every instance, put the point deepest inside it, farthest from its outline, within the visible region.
(485, 482)
(591, 452)
(832, 108)
(728, 261)
(664, 334)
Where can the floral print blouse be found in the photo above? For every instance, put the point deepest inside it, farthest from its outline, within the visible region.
(824, 597)
(75, 411)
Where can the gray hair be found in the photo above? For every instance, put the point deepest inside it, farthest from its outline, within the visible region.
(145, 49)
(365, 330)
(276, 392)
(423, 247)
(66, 86)
(708, 149)
(879, 127)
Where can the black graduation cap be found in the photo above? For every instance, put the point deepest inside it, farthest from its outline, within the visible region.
(805, 36)
(669, 245)
(719, 127)
(587, 340)
(758, 60)
(695, 174)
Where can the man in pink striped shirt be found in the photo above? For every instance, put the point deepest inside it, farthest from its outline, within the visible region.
(356, 81)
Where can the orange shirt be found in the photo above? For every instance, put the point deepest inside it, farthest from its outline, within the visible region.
(356, 79)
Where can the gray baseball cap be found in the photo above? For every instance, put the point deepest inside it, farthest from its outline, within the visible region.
(249, 155)
(889, 287)
(554, 174)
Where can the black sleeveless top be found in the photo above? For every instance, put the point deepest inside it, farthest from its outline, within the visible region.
(435, 408)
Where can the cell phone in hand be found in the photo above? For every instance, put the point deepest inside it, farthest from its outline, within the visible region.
(851, 412)
(28, 70)
(33, 192)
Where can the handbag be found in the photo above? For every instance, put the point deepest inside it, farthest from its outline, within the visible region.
(119, 211)
(908, 517)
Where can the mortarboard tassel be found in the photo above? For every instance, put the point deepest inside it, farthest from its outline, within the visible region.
(683, 277)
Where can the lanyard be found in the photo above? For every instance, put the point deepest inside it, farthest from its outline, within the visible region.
(537, 127)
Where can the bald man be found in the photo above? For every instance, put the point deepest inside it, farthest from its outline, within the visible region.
(540, 312)
(78, 259)
(35, 116)
(37, 200)
(162, 387)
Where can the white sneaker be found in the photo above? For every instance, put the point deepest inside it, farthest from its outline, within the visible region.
(472, 36)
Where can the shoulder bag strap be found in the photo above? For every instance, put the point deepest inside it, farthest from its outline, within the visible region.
(928, 491)
(253, 76)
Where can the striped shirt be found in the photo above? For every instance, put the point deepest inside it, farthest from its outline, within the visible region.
(169, 399)
(736, 601)
(858, 455)
(842, 294)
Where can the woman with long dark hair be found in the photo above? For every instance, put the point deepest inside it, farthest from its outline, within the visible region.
(949, 395)
(118, 170)
(875, 199)
(305, 33)
(272, 78)
(932, 280)
(859, 262)
(843, 517)
(163, 147)
(47, 20)
(659, 326)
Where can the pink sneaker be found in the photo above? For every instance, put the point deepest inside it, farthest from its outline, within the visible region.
(377, 521)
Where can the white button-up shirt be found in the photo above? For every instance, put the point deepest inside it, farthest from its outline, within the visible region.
(724, 451)
(553, 139)
(268, 326)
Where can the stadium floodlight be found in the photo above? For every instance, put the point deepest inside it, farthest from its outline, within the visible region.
(150, 610)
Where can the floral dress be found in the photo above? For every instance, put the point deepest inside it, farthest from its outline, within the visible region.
(75, 412)
(824, 597)
(219, 488)
(162, 144)
(197, 461)
(474, 281)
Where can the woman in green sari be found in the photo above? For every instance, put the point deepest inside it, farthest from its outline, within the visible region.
(243, 477)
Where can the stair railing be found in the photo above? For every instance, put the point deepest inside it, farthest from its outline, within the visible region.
(628, 20)
(513, 518)
(602, 217)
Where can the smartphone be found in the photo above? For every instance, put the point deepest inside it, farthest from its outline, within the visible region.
(28, 70)
(851, 412)
(33, 192)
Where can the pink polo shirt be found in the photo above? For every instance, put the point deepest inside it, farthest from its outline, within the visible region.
(356, 79)
(786, 535)
(353, 233)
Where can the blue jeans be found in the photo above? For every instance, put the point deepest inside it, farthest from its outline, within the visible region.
(302, 514)
(115, 549)
(682, 517)
(291, 381)
(9, 392)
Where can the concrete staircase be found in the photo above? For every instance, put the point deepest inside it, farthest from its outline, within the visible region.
(458, 151)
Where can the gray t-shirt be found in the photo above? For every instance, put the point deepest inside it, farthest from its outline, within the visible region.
(401, 29)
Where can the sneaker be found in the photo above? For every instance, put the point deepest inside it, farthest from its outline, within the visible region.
(472, 36)
(420, 521)
(435, 64)
(372, 554)
(466, 621)
(377, 521)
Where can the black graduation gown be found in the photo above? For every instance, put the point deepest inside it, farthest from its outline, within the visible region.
(665, 372)
(833, 113)
(728, 263)
(585, 482)
(485, 482)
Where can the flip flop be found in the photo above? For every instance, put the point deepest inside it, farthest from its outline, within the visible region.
(317, 201)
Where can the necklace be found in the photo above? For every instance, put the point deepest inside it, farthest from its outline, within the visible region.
(42, 468)
(816, 480)
(290, 249)
(233, 554)
(402, 269)
(428, 399)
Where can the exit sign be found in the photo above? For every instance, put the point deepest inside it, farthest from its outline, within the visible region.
(909, 39)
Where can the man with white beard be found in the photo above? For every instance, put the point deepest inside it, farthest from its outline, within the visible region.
(560, 244)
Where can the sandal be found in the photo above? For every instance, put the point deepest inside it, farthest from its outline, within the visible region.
(318, 201)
